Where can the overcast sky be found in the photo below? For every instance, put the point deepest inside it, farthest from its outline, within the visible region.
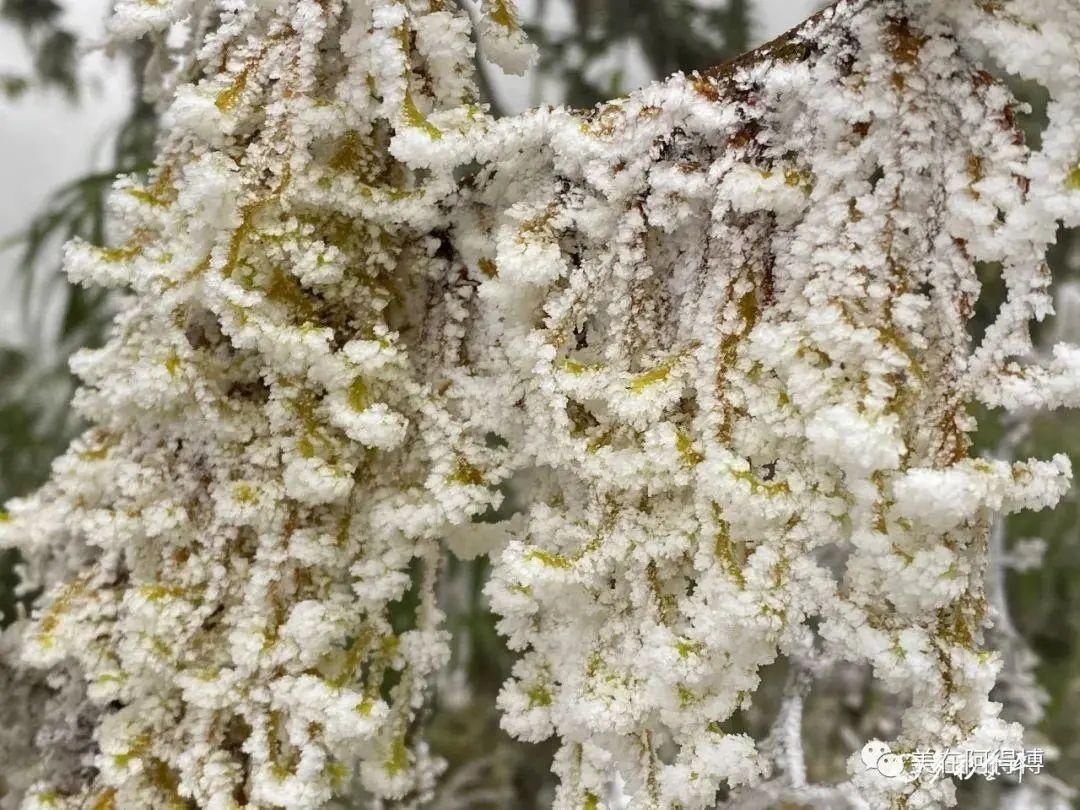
(46, 141)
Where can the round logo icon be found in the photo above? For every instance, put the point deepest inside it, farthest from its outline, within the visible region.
(890, 765)
(872, 753)
(877, 756)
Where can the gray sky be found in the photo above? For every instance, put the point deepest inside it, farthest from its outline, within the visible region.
(45, 141)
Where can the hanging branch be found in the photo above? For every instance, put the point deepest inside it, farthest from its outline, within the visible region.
(718, 326)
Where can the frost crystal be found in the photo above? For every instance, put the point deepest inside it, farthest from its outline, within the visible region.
(720, 325)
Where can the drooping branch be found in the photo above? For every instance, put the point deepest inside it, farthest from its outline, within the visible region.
(714, 334)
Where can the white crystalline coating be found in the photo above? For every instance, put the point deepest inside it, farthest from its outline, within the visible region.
(134, 18)
(714, 335)
(945, 499)
(376, 427)
(193, 110)
(1053, 385)
(730, 758)
(502, 39)
(840, 435)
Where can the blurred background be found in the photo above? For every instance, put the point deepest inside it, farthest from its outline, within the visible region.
(71, 119)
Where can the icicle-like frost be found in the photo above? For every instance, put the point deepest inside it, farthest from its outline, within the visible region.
(721, 324)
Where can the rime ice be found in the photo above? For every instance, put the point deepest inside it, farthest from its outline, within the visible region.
(721, 324)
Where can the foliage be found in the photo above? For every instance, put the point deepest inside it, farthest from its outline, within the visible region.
(35, 422)
(671, 36)
(537, 576)
(51, 45)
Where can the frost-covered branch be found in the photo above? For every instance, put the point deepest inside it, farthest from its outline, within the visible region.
(716, 331)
